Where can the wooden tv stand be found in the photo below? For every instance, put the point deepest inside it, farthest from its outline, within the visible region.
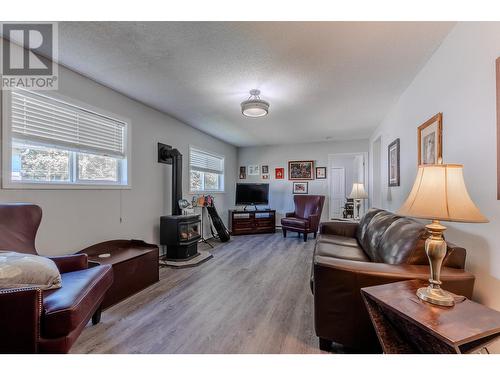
(252, 221)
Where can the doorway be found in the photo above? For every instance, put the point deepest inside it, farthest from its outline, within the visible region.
(345, 170)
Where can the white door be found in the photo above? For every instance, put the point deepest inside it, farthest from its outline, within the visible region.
(337, 192)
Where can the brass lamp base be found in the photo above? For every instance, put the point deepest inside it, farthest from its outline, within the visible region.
(435, 248)
(436, 296)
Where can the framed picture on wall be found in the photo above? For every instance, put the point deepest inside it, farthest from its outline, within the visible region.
(300, 187)
(265, 169)
(320, 173)
(430, 140)
(253, 170)
(279, 173)
(393, 163)
(301, 170)
(243, 172)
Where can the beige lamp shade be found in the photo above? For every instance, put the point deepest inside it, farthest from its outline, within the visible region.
(439, 193)
(358, 191)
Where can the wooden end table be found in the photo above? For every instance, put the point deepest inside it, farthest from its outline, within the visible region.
(405, 324)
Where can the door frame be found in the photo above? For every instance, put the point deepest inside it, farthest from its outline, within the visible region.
(366, 182)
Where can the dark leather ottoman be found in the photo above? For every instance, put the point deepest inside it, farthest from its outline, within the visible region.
(135, 266)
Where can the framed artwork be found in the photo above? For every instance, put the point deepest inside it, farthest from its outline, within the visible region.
(279, 173)
(430, 140)
(300, 187)
(243, 172)
(265, 169)
(320, 173)
(300, 170)
(253, 170)
(393, 162)
(265, 177)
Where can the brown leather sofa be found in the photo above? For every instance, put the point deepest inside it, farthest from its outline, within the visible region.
(381, 249)
(35, 321)
(306, 217)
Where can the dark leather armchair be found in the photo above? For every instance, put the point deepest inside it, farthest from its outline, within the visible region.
(36, 321)
(381, 249)
(306, 217)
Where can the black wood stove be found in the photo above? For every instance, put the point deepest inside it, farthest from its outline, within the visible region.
(180, 233)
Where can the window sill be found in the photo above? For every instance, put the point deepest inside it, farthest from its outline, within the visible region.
(44, 186)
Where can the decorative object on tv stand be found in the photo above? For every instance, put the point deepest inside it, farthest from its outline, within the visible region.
(279, 173)
(300, 187)
(265, 177)
(243, 172)
(254, 106)
(393, 163)
(301, 170)
(430, 140)
(320, 173)
(358, 193)
(253, 170)
(439, 193)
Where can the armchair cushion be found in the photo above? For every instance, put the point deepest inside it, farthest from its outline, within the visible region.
(295, 222)
(19, 270)
(67, 307)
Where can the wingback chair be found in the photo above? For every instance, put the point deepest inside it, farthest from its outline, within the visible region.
(36, 321)
(305, 219)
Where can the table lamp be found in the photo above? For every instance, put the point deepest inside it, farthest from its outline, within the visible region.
(358, 192)
(439, 193)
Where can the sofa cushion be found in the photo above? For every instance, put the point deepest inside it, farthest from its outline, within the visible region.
(67, 307)
(340, 251)
(403, 242)
(295, 222)
(338, 240)
(365, 222)
(374, 233)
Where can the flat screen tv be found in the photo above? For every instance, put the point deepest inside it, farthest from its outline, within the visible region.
(252, 194)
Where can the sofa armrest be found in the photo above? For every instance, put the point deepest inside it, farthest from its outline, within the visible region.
(290, 214)
(70, 263)
(339, 228)
(314, 222)
(20, 312)
(357, 275)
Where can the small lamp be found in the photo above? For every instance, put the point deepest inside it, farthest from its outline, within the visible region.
(358, 192)
(439, 193)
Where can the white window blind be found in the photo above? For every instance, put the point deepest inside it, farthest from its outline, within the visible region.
(204, 162)
(42, 119)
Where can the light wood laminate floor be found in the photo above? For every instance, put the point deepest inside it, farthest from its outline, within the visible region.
(252, 297)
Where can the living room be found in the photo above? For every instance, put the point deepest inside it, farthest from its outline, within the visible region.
(249, 187)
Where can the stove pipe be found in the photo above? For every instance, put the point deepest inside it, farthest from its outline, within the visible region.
(169, 155)
(176, 181)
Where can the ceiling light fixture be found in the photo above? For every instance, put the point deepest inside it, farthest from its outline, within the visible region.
(254, 106)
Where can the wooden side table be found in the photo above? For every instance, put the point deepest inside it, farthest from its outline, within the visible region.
(405, 324)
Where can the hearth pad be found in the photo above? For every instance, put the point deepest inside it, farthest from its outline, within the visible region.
(193, 262)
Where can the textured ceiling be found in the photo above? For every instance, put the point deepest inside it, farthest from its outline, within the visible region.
(325, 80)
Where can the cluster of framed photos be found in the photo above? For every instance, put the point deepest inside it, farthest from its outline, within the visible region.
(297, 170)
(430, 148)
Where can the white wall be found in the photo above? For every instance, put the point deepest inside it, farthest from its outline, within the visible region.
(280, 197)
(458, 80)
(74, 219)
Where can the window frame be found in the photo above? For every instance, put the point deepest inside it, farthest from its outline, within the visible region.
(125, 181)
(222, 183)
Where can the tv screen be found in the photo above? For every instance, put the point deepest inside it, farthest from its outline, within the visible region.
(252, 194)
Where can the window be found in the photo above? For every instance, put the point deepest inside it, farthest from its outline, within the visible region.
(50, 142)
(206, 171)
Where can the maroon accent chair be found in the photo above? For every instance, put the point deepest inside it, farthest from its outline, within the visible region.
(36, 321)
(305, 219)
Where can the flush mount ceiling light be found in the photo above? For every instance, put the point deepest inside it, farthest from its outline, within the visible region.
(254, 106)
